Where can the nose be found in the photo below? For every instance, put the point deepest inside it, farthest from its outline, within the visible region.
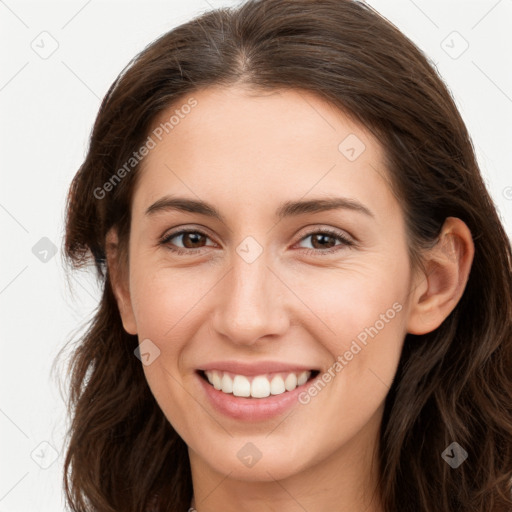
(252, 303)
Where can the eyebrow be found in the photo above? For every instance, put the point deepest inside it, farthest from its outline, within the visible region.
(286, 209)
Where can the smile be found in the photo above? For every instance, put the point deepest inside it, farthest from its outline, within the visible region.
(259, 386)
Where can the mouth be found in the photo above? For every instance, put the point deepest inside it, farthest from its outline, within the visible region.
(257, 386)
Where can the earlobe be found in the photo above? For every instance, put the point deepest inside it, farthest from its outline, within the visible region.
(447, 265)
(119, 282)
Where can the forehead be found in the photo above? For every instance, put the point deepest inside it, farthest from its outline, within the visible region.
(247, 119)
(258, 145)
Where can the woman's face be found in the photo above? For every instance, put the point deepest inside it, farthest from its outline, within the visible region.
(295, 267)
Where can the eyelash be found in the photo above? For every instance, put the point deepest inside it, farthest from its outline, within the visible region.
(316, 252)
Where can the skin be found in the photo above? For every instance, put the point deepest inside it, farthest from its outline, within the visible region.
(246, 152)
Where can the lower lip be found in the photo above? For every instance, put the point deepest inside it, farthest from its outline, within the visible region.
(252, 409)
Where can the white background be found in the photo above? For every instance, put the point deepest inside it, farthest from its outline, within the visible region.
(47, 111)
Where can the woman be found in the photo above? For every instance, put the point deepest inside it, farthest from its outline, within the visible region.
(231, 367)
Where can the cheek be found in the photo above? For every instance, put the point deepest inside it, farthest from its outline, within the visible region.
(166, 307)
(169, 308)
(349, 302)
(166, 302)
(363, 327)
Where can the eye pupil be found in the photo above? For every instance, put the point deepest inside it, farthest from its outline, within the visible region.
(322, 237)
(197, 239)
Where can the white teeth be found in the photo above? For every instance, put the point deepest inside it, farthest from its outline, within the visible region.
(277, 385)
(303, 377)
(260, 386)
(216, 380)
(290, 382)
(241, 386)
(227, 384)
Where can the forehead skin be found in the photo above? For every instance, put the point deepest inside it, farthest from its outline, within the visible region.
(253, 149)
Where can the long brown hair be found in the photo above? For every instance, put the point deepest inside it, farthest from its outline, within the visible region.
(453, 384)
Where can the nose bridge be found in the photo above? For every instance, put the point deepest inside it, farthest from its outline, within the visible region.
(251, 304)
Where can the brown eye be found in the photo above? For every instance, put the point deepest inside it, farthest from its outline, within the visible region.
(185, 239)
(325, 241)
(322, 241)
(192, 240)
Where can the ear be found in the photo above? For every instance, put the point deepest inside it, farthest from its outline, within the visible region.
(120, 281)
(437, 291)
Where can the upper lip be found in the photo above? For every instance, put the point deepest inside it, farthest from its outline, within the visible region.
(255, 368)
